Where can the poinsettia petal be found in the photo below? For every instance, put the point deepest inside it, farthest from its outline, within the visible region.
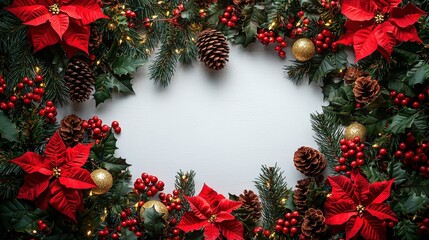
(71, 11)
(361, 186)
(385, 39)
(358, 10)
(35, 14)
(227, 205)
(379, 191)
(211, 232)
(189, 222)
(224, 216)
(353, 226)
(89, 10)
(78, 155)
(231, 230)
(76, 178)
(43, 36)
(34, 185)
(364, 43)
(200, 207)
(384, 6)
(55, 150)
(211, 196)
(42, 201)
(60, 23)
(77, 36)
(408, 34)
(32, 162)
(372, 228)
(381, 211)
(64, 200)
(407, 16)
(337, 213)
(342, 188)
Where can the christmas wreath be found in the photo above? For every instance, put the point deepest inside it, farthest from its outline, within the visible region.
(62, 179)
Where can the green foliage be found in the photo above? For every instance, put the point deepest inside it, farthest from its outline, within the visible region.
(273, 190)
(406, 230)
(253, 17)
(153, 222)
(104, 154)
(7, 128)
(125, 65)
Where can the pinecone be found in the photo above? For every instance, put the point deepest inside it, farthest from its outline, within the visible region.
(366, 89)
(352, 73)
(251, 203)
(213, 49)
(79, 79)
(309, 161)
(71, 130)
(300, 195)
(313, 225)
(95, 39)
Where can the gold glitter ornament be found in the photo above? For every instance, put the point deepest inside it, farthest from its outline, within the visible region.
(303, 49)
(103, 179)
(355, 130)
(159, 207)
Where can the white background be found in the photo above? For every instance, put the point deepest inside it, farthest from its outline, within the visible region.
(224, 125)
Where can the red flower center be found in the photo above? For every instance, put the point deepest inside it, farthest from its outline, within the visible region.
(54, 9)
(56, 172)
(212, 218)
(379, 18)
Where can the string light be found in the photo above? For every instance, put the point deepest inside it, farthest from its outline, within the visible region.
(128, 38)
(34, 232)
(272, 25)
(167, 13)
(37, 69)
(154, 16)
(283, 201)
(88, 233)
(160, 2)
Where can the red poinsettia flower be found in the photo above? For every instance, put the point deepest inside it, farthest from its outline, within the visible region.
(359, 205)
(58, 21)
(378, 25)
(57, 177)
(212, 211)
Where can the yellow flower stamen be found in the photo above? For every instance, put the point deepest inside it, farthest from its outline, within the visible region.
(54, 9)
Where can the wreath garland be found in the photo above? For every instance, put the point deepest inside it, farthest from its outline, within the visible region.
(62, 180)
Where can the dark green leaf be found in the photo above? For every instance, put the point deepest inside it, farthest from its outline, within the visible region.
(102, 92)
(331, 62)
(153, 221)
(403, 120)
(290, 204)
(7, 128)
(406, 230)
(419, 74)
(415, 203)
(396, 171)
(125, 64)
(12, 211)
(253, 17)
(109, 144)
(127, 234)
(114, 164)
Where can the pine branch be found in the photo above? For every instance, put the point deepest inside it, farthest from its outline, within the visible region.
(273, 193)
(297, 71)
(327, 136)
(184, 182)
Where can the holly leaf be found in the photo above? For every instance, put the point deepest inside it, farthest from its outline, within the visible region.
(109, 144)
(153, 222)
(11, 211)
(400, 175)
(325, 64)
(419, 74)
(415, 203)
(114, 164)
(403, 120)
(290, 204)
(125, 64)
(7, 128)
(102, 92)
(406, 230)
(127, 234)
(253, 16)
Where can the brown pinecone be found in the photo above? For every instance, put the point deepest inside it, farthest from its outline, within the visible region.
(366, 89)
(313, 224)
(352, 73)
(95, 39)
(251, 204)
(71, 130)
(309, 161)
(213, 49)
(300, 195)
(79, 79)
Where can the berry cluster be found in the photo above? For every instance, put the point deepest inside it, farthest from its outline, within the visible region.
(353, 155)
(388, 223)
(424, 226)
(267, 37)
(34, 92)
(261, 231)
(324, 40)
(97, 130)
(297, 25)
(330, 4)
(414, 154)
(130, 14)
(176, 233)
(401, 99)
(147, 23)
(49, 111)
(172, 202)
(42, 226)
(127, 221)
(288, 225)
(148, 184)
(228, 17)
(176, 14)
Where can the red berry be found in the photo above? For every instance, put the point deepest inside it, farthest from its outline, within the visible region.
(306, 21)
(293, 230)
(282, 54)
(288, 215)
(283, 44)
(398, 153)
(230, 24)
(176, 192)
(229, 9)
(279, 39)
(301, 13)
(49, 104)
(421, 96)
(337, 168)
(295, 213)
(39, 78)
(160, 185)
(416, 104)
(118, 130)
(105, 128)
(360, 155)
(401, 96)
(293, 221)
(393, 93)
(391, 224)
(10, 105)
(97, 131)
(285, 230)
(267, 233)
(342, 160)
(115, 236)
(233, 19)
(360, 162)
(20, 85)
(353, 164)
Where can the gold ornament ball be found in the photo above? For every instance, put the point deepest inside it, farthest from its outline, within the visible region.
(159, 207)
(355, 130)
(103, 179)
(303, 49)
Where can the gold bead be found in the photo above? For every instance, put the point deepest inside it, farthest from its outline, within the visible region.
(355, 130)
(103, 179)
(303, 49)
(159, 207)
